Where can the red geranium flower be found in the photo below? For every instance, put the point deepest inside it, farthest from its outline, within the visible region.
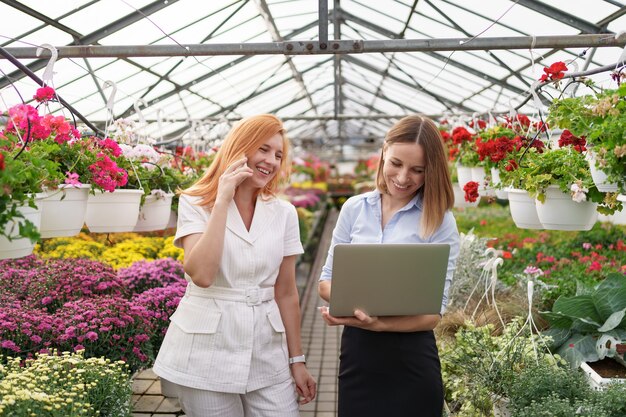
(568, 139)
(1, 162)
(44, 94)
(554, 72)
(471, 191)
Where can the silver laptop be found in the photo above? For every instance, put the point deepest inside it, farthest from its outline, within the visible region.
(388, 279)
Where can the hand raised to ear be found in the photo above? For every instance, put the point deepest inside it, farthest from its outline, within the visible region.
(234, 175)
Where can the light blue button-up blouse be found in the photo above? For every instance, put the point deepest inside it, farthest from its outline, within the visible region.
(360, 221)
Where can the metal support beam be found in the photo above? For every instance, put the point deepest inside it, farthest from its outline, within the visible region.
(402, 81)
(87, 39)
(338, 76)
(336, 47)
(264, 10)
(557, 14)
(323, 23)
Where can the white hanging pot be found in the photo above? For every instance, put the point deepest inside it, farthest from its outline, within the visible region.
(598, 176)
(113, 212)
(63, 210)
(459, 198)
(21, 247)
(560, 212)
(154, 214)
(464, 175)
(478, 175)
(523, 209)
(495, 180)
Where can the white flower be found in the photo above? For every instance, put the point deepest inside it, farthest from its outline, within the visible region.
(579, 194)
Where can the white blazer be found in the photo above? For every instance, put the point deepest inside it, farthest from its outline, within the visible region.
(230, 337)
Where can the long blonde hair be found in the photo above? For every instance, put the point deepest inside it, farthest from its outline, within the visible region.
(437, 194)
(243, 139)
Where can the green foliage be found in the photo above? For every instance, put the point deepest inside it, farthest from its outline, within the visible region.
(479, 365)
(553, 406)
(602, 119)
(588, 317)
(538, 384)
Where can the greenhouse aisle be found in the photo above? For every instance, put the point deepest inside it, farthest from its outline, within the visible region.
(320, 344)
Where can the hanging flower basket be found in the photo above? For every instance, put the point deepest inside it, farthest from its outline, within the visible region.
(155, 213)
(116, 211)
(464, 174)
(523, 209)
(21, 247)
(501, 193)
(560, 212)
(599, 177)
(63, 210)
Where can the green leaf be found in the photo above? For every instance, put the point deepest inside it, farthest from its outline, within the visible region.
(610, 296)
(557, 337)
(613, 321)
(580, 308)
(579, 348)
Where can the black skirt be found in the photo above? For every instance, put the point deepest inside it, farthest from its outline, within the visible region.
(389, 374)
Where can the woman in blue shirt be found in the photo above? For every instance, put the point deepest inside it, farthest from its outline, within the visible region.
(390, 365)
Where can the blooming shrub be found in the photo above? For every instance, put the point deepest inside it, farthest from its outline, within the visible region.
(144, 275)
(171, 251)
(70, 248)
(64, 385)
(160, 303)
(53, 283)
(78, 304)
(107, 326)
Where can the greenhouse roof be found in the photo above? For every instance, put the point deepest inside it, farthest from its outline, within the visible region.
(338, 72)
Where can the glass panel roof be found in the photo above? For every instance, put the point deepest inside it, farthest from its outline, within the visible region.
(199, 97)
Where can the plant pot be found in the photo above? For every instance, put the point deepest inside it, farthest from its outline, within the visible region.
(560, 212)
(495, 180)
(478, 175)
(459, 198)
(464, 175)
(113, 212)
(523, 209)
(154, 214)
(18, 248)
(614, 372)
(598, 176)
(63, 210)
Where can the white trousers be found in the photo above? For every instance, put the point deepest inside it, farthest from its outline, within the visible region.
(278, 400)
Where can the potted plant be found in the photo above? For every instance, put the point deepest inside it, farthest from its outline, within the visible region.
(601, 119)
(560, 181)
(590, 326)
(22, 178)
(513, 175)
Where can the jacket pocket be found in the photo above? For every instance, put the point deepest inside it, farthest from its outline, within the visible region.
(193, 318)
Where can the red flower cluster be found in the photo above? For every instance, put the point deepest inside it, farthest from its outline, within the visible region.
(568, 139)
(460, 135)
(1, 162)
(496, 150)
(471, 191)
(44, 94)
(554, 72)
(480, 124)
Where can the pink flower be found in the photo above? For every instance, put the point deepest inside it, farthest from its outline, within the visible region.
(587, 245)
(93, 336)
(44, 94)
(72, 179)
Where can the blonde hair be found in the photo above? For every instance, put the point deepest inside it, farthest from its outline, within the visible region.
(437, 194)
(245, 138)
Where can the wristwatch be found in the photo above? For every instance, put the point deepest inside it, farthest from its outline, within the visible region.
(297, 359)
